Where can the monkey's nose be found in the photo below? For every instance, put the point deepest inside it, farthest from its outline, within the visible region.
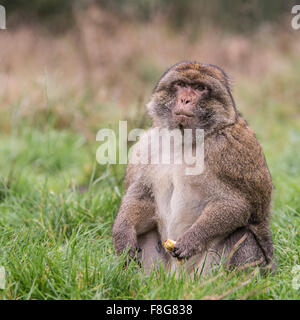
(185, 100)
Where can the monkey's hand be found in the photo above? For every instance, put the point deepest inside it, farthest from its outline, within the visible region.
(127, 246)
(134, 255)
(125, 241)
(186, 247)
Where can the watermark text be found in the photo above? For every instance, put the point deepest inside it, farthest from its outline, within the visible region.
(158, 146)
(296, 19)
(2, 17)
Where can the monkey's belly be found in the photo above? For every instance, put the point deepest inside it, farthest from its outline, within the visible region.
(179, 205)
(177, 210)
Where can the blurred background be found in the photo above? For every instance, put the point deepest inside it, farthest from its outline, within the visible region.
(69, 68)
(99, 57)
(74, 67)
(83, 64)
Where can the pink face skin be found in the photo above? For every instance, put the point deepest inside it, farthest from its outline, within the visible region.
(187, 99)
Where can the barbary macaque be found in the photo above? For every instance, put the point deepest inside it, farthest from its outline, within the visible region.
(222, 212)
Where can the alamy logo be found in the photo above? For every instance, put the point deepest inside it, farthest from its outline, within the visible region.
(296, 19)
(2, 18)
(2, 277)
(296, 278)
(156, 146)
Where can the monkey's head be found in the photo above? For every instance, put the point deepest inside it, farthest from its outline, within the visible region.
(192, 95)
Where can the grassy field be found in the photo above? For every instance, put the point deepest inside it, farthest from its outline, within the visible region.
(57, 205)
(56, 214)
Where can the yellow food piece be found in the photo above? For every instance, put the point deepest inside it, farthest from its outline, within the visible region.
(169, 244)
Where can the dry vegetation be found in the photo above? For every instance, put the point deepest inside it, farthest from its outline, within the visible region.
(113, 63)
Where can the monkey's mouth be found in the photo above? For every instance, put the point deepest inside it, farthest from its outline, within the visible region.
(183, 119)
(183, 115)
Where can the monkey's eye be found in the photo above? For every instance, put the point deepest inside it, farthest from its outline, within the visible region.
(200, 87)
(180, 84)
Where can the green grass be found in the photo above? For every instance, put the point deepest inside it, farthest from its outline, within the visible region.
(55, 240)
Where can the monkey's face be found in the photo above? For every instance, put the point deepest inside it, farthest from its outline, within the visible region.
(192, 95)
(187, 111)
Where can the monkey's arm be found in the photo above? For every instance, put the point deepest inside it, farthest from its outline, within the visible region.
(238, 161)
(218, 219)
(135, 216)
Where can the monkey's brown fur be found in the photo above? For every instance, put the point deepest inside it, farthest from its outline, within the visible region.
(203, 213)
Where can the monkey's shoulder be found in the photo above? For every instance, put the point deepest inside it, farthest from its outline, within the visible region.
(238, 159)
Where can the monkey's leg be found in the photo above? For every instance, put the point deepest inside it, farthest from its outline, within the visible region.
(241, 250)
(263, 236)
(152, 251)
